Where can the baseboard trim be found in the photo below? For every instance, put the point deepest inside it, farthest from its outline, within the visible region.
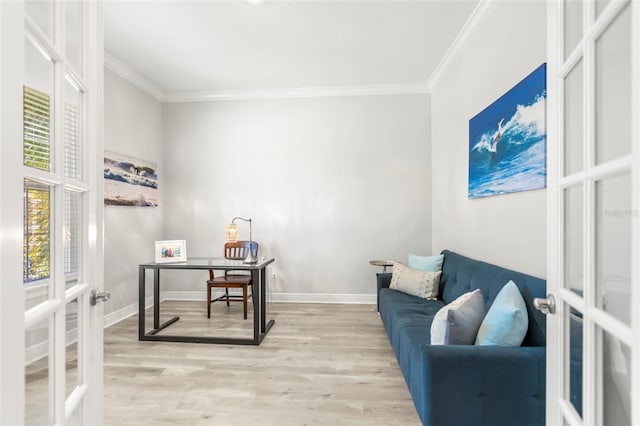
(124, 313)
(340, 298)
(358, 299)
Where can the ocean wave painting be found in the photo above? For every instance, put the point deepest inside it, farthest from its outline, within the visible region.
(507, 141)
(129, 181)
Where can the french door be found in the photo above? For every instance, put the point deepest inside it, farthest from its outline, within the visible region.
(593, 361)
(50, 212)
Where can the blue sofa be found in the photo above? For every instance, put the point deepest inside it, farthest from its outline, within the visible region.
(467, 384)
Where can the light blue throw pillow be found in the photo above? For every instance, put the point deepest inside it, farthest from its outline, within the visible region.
(507, 321)
(425, 263)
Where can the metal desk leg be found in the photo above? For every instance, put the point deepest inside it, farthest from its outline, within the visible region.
(263, 299)
(255, 297)
(264, 325)
(141, 298)
(156, 298)
(156, 307)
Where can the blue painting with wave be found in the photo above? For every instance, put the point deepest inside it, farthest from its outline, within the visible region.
(507, 141)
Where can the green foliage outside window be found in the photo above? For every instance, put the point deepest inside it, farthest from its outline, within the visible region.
(37, 213)
(36, 232)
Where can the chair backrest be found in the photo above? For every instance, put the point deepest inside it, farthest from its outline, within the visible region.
(238, 250)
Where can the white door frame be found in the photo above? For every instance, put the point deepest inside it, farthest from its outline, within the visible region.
(13, 318)
(12, 340)
(558, 410)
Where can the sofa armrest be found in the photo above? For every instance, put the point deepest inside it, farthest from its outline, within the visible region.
(464, 385)
(384, 279)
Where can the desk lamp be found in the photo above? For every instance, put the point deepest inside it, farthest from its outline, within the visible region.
(233, 232)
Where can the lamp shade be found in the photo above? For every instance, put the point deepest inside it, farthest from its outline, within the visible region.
(232, 231)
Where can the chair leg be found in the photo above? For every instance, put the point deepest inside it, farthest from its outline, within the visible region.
(244, 300)
(227, 291)
(208, 301)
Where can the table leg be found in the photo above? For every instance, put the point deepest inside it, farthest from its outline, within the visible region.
(156, 298)
(142, 335)
(263, 299)
(141, 297)
(255, 297)
(265, 325)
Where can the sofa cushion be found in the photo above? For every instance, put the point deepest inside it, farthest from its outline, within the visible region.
(506, 322)
(407, 320)
(415, 282)
(425, 263)
(458, 322)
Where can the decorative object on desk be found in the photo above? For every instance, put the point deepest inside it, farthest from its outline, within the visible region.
(232, 231)
(171, 251)
(507, 141)
(234, 250)
(129, 181)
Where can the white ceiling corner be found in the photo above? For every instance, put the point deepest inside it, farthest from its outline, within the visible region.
(190, 50)
(477, 17)
(133, 77)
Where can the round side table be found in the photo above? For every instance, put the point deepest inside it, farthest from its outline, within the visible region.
(383, 263)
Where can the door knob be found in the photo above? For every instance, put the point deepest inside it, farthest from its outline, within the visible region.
(99, 296)
(546, 306)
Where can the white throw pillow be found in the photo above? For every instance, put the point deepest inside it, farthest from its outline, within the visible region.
(459, 321)
(417, 283)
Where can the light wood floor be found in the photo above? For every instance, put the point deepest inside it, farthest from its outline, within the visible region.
(319, 365)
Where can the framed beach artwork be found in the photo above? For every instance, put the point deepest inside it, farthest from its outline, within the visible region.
(507, 141)
(129, 181)
(171, 251)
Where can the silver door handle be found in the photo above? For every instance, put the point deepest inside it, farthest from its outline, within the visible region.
(99, 296)
(546, 306)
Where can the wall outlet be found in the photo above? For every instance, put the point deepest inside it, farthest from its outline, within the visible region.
(274, 275)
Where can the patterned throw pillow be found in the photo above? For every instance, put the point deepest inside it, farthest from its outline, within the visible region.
(459, 321)
(414, 282)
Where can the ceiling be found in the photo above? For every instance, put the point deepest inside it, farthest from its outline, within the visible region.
(184, 47)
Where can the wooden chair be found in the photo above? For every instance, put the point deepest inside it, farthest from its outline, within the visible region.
(232, 279)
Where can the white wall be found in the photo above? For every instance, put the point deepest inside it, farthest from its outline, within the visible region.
(132, 126)
(508, 230)
(330, 182)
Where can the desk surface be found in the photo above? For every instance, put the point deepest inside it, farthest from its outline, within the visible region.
(210, 263)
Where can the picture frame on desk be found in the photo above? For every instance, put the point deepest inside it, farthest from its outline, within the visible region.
(171, 251)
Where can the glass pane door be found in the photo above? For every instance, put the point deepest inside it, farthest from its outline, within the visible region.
(60, 162)
(593, 198)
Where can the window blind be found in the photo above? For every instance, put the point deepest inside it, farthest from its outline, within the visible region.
(71, 233)
(36, 129)
(72, 150)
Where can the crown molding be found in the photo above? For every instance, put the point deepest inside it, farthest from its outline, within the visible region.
(133, 77)
(477, 17)
(473, 23)
(235, 95)
(300, 92)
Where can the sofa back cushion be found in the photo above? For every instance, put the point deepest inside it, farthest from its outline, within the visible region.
(461, 274)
